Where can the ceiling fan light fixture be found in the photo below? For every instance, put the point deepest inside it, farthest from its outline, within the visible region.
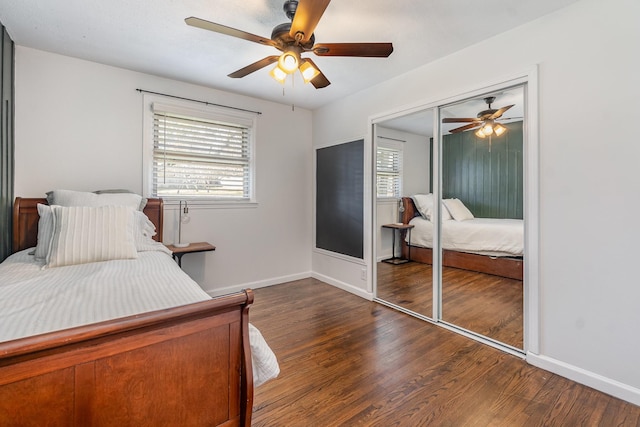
(288, 62)
(498, 129)
(487, 129)
(480, 134)
(278, 74)
(308, 71)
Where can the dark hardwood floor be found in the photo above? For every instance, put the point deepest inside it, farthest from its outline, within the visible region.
(407, 285)
(488, 305)
(346, 361)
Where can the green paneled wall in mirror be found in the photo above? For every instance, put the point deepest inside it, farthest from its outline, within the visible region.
(486, 174)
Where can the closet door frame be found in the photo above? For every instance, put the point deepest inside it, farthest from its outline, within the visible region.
(529, 81)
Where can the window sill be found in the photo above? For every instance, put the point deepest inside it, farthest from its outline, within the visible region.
(387, 200)
(210, 204)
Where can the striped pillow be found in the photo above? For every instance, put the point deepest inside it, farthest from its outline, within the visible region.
(83, 234)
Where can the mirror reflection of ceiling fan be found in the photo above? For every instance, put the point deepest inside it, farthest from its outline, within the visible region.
(293, 39)
(486, 121)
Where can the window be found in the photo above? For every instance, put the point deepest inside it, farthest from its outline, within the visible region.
(199, 153)
(389, 172)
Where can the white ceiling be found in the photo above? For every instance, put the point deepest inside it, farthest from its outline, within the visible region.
(152, 37)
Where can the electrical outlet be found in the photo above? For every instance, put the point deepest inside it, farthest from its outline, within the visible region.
(363, 274)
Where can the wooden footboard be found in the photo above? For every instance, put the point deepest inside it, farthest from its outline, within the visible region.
(498, 266)
(183, 366)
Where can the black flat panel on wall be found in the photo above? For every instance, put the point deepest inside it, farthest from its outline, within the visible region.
(340, 198)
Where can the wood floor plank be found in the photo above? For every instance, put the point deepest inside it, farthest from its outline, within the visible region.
(346, 361)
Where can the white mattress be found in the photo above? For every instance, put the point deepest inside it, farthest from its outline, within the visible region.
(34, 300)
(484, 236)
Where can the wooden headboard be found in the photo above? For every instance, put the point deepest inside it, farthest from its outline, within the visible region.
(410, 210)
(25, 220)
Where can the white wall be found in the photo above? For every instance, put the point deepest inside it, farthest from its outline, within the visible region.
(79, 126)
(589, 86)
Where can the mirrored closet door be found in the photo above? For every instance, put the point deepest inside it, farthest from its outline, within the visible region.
(482, 226)
(459, 204)
(403, 168)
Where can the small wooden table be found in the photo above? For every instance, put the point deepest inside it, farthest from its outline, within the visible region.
(178, 253)
(399, 227)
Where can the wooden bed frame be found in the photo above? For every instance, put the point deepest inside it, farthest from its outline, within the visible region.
(182, 366)
(499, 266)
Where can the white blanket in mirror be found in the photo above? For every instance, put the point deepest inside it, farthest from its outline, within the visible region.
(484, 236)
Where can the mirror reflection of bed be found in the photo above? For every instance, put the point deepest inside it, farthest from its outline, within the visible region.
(483, 248)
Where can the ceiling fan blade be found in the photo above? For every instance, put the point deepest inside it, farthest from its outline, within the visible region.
(466, 127)
(377, 50)
(500, 112)
(254, 67)
(308, 13)
(460, 120)
(222, 29)
(320, 80)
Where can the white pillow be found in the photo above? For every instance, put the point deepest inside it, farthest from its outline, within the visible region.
(444, 213)
(83, 234)
(45, 231)
(143, 202)
(458, 210)
(144, 230)
(84, 198)
(424, 203)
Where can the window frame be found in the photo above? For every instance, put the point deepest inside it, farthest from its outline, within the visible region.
(197, 110)
(399, 148)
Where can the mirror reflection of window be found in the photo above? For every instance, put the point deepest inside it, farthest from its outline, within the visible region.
(389, 169)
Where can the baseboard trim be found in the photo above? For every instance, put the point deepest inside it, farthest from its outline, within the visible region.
(284, 279)
(344, 286)
(588, 378)
(258, 284)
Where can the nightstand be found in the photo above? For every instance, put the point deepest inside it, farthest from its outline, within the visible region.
(178, 253)
(400, 229)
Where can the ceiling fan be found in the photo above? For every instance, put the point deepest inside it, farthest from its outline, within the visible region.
(486, 119)
(293, 39)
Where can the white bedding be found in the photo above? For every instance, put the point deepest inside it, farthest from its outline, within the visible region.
(34, 300)
(484, 236)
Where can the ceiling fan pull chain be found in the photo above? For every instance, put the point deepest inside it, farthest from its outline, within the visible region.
(293, 87)
(293, 79)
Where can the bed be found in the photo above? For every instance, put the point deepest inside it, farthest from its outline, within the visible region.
(183, 358)
(486, 245)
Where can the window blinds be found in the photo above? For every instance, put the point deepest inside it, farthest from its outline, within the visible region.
(389, 172)
(196, 157)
